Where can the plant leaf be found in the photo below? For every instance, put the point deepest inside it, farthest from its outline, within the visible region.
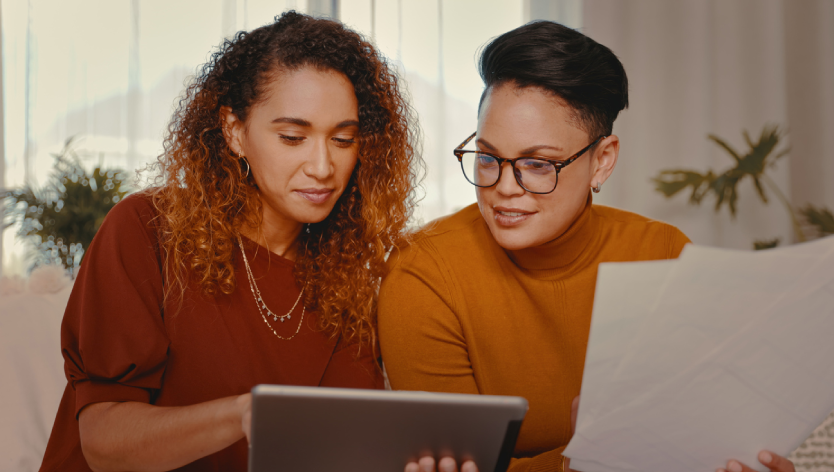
(670, 182)
(726, 146)
(754, 162)
(760, 189)
(724, 187)
(765, 244)
(821, 218)
(761, 154)
(61, 218)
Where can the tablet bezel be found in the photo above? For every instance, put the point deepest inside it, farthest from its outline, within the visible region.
(320, 422)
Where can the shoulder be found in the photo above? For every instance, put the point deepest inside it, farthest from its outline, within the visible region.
(131, 222)
(652, 239)
(456, 233)
(436, 255)
(134, 213)
(462, 222)
(422, 283)
(137, 206)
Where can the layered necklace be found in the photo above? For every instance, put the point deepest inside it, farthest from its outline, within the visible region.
(265, 312)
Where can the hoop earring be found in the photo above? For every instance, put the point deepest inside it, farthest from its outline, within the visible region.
(597, 188)
(246, 161)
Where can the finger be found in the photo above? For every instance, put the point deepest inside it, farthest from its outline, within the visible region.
(426, 464)
(412, 467)
(447, 464)
(246, 424)
(775, 462)
(243, 404)
(574, 412)
(736, 466)
(468, 466)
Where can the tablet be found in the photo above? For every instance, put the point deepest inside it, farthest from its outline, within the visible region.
(351, 430)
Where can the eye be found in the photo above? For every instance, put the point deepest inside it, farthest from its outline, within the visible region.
(535, 165)
(485, 160)
(292, 140)
(344, 142)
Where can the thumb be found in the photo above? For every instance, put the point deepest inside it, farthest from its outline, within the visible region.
(244, 404)
(574, 412)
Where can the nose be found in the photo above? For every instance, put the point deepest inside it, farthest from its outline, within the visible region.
(320, 163)
(507, 184)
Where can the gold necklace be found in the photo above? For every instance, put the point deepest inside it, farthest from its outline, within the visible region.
(261, 304)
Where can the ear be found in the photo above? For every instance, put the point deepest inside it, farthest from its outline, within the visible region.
(604, 159)
(232, 130)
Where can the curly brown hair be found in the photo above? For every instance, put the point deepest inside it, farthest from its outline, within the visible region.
(204, 194)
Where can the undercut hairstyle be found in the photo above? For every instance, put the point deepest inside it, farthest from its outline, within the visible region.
(557, 59)
(204, 192)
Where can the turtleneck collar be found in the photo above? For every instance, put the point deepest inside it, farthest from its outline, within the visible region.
(565, 249)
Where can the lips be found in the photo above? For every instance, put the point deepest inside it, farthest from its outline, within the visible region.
(315, 195)
(506, 216)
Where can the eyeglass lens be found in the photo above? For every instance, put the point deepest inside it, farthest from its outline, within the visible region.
(535, 175)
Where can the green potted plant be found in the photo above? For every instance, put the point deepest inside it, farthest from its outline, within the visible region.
(60, 219)
(753, 164)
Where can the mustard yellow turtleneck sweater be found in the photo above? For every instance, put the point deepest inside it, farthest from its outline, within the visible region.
(457, 313)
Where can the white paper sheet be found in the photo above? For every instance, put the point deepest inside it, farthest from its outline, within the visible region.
(632, 290)
(747, 365)
(714, 293)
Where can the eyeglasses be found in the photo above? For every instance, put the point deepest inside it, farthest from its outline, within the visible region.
(533, 174)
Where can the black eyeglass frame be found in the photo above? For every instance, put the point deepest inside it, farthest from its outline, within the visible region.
(558, 164)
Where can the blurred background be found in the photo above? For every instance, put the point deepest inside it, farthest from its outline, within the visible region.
(729, 136)
(107, 73)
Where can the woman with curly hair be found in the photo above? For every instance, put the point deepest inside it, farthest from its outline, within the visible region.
(287, 177)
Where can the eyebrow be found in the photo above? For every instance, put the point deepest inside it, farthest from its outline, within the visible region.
(307, 124)
(293, 121)
(347, 124)
(529, 150)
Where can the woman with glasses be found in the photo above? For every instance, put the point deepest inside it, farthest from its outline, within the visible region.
(497, 298)
(286, 178)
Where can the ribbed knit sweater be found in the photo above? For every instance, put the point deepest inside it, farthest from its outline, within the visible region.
(458, 313)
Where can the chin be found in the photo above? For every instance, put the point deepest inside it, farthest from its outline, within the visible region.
(313, 217)
(512, 240)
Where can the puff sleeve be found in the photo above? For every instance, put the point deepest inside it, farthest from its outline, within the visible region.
(113, 336)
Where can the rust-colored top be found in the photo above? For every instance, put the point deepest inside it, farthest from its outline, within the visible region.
(122, 342)
(458, 313)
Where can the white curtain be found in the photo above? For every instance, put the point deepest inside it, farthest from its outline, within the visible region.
(108, 72)
(713, 66)
(434, 43)
(2, 145)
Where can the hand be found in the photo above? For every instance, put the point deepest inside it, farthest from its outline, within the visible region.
(774, 462)
(446, 464)
(574, 412)
(244, 404)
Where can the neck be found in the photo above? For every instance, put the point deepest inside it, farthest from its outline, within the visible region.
(278, 235)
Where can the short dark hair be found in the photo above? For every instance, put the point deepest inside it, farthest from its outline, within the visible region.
(565, 62)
